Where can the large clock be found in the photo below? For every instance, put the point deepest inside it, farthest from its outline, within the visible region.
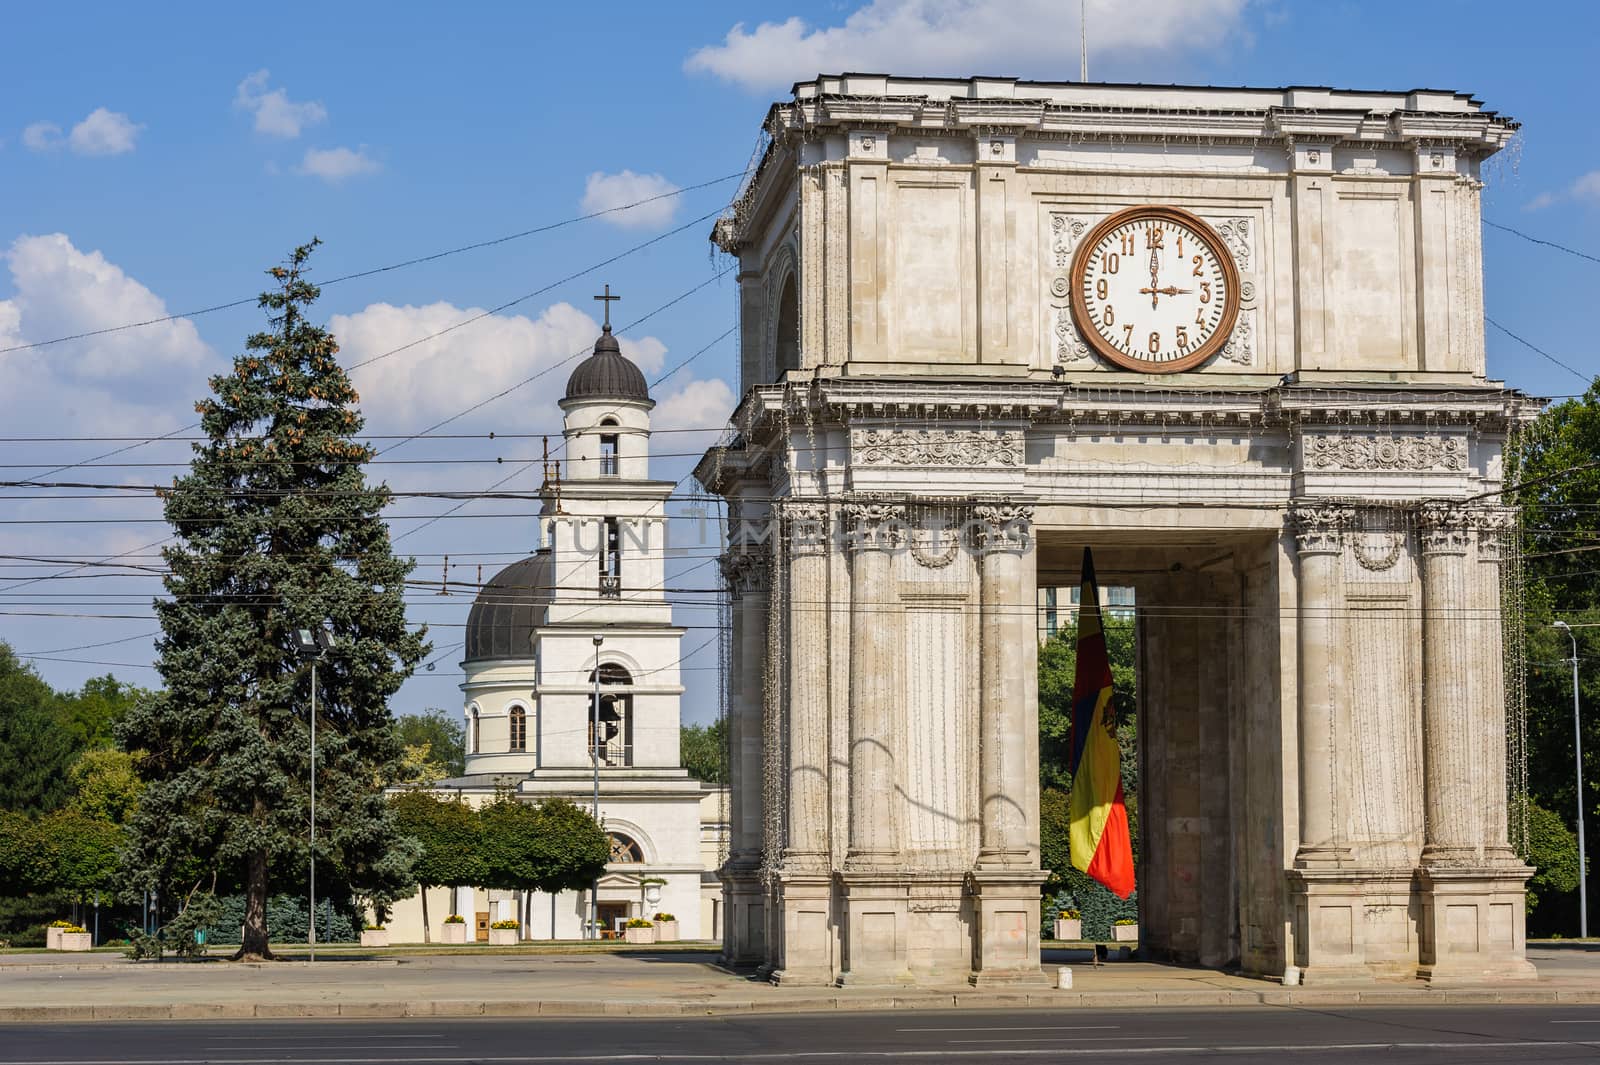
(1154, 289)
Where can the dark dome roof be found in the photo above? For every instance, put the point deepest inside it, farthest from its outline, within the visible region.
(507, 610)
(607, 374)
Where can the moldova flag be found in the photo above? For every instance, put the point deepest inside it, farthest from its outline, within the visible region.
(1098, 820)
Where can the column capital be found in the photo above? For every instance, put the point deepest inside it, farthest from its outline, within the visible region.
(1442, 528)
(1496, 526)
(874, 524)
(747, 572)
(1002, 527)
(1319, 527)
(806, 526)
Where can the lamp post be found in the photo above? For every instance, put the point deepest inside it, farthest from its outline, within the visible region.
(312, 645)
(1577, 744)
(594, 753)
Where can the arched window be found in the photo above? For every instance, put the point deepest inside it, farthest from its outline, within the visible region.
(519, 729)
(608, 449)
(789, 327)
(615, 743)
(624, 850)
(472, 729)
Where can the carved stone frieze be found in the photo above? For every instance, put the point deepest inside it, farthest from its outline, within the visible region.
(1443, 528)
(874, 525)
(937, 447)
(1236, 233)
(1066, 230)
(1358, 451)
(1377, 552)
(1002, 527)
(1319, 527)
(1241, 346)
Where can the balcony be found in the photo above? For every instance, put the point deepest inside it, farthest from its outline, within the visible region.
(610, 586)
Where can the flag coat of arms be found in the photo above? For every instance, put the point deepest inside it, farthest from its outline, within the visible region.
(1097, 816)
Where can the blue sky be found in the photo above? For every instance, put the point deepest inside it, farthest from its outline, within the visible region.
(154, 161)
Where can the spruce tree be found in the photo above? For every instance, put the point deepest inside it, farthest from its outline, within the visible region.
(277, 530)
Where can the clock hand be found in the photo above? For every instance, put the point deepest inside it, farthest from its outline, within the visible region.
(1155, 269)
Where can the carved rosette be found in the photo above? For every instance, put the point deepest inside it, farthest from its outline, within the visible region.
(1496, 526)
(874, 525)
(807, 528)
(1066, 231)
(1443, 528)
(1415, 454)
(937, 447)
(747, 572)
(1319, 527)
(1002, 527)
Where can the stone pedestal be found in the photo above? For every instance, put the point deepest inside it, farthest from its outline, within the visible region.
(877, 923)
(1006, 945)
(806, 955)
(1472, 929)
(1329, 928)
(744, 927)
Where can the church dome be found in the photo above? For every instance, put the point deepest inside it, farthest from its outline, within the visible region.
(508, 608)
(607, 374)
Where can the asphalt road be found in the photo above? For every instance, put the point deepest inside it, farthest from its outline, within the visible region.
(1396, 1036)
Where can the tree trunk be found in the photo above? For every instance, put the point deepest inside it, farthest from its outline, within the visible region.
(253, 945)
(426, 935)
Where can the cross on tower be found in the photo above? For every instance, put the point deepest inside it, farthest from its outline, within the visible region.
(607, 300)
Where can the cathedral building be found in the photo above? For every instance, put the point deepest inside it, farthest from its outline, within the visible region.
(585, 619)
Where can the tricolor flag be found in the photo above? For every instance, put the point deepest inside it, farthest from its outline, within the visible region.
(1098, 820)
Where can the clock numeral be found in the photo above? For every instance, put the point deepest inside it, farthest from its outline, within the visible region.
(1205, 292)
(1112, 263)
(1127, 335)
(1200, 316)
(1153, 238)
(1183, 336)
(1155, 343)
(1127, 244)
(1180, 245)
(1198, 260)
(1109, 315)
(1101, 289)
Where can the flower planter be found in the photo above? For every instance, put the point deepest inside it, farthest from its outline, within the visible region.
(666, 931)
(455, 932)
(52, 937)
(503, 937)
(76, 941)
(375, 937)
(1125, 933)
(1069, 928)
(639, 935)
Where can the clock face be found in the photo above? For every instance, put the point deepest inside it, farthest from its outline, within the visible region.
(1154, 289)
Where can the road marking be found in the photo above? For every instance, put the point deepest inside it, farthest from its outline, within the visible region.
(1011, 1028)
(1074, 1038)
(1574, 1022)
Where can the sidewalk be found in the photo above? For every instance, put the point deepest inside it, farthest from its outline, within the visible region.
(527, 983)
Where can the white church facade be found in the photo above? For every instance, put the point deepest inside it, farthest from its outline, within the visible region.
(587, 613)
(1231, 340)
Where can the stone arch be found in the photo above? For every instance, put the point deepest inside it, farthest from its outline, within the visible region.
(632, 833)
(781, 350)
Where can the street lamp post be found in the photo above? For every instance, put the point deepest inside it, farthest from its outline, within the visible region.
(1577, 744)
(594, 753)
(312, 645)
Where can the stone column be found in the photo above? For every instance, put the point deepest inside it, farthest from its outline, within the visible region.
(1453, 822)
(1005, 883)
(805, 884)
(1472, 927)
(1495, 527)
(1008, 649)
(744, 911)
(1319, 541)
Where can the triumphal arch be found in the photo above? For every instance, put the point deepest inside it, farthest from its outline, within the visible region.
(1232, 340)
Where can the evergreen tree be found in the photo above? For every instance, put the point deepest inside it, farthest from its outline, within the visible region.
(704, 750)
(278, 530)
(35, 750)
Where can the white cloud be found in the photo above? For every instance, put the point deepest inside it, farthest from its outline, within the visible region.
(962, 37)
(444, 376)
(104, 133)
(276, 115)
(606, 192)
(138, 381)
(43, 137)
(697, 405)
(1586, 189)
(334, 165)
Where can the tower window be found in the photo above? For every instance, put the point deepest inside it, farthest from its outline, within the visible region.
(608, 455)
(472, 730)
(611, 559)
(519, 729)
(613, 744)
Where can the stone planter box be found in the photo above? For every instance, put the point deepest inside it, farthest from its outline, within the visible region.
(1070, 928)
(503, 937)
(455, 932)
(1125, 933)
(375, 937)
(639, 935)
(52, 938)
(666, 931)
(76, 941)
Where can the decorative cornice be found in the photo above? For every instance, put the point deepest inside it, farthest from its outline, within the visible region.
(937, 447)
(1319, 527)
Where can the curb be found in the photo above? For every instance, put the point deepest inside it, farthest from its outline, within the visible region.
(811, 1004)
